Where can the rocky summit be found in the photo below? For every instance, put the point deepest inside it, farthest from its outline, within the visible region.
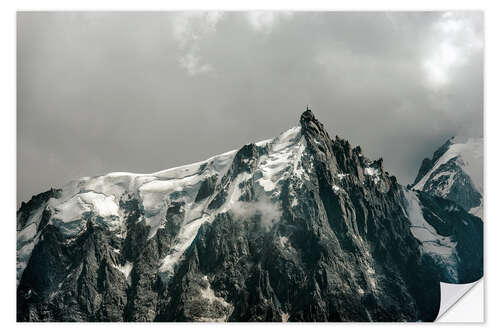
(301, 227)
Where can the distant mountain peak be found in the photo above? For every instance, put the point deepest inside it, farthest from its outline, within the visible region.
(455, 172)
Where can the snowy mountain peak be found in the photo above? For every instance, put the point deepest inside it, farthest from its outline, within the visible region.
(299, 227)
(455, 172)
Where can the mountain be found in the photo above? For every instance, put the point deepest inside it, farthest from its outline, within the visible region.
(301, 227)
(455, 172)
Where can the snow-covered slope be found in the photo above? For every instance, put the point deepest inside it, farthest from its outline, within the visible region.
(455, 172)
(101, 196)
(441, 249)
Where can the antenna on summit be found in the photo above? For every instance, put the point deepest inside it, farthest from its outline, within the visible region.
(307, 108)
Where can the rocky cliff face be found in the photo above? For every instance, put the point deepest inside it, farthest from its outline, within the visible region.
(297, 228)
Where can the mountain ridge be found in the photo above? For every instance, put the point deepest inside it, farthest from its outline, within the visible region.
(301, 227)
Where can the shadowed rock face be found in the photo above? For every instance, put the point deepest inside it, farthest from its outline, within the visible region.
(298, 228)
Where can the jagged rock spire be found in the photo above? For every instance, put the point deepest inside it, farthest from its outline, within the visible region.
(312, 127)
(307, 115)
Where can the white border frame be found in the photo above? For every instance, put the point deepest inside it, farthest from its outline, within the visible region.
(8, 133)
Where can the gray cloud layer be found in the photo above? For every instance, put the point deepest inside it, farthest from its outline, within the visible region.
(101, 92)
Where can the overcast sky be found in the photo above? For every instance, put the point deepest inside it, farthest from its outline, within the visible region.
(101, 92)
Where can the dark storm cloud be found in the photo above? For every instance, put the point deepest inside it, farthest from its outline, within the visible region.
(102, 92)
